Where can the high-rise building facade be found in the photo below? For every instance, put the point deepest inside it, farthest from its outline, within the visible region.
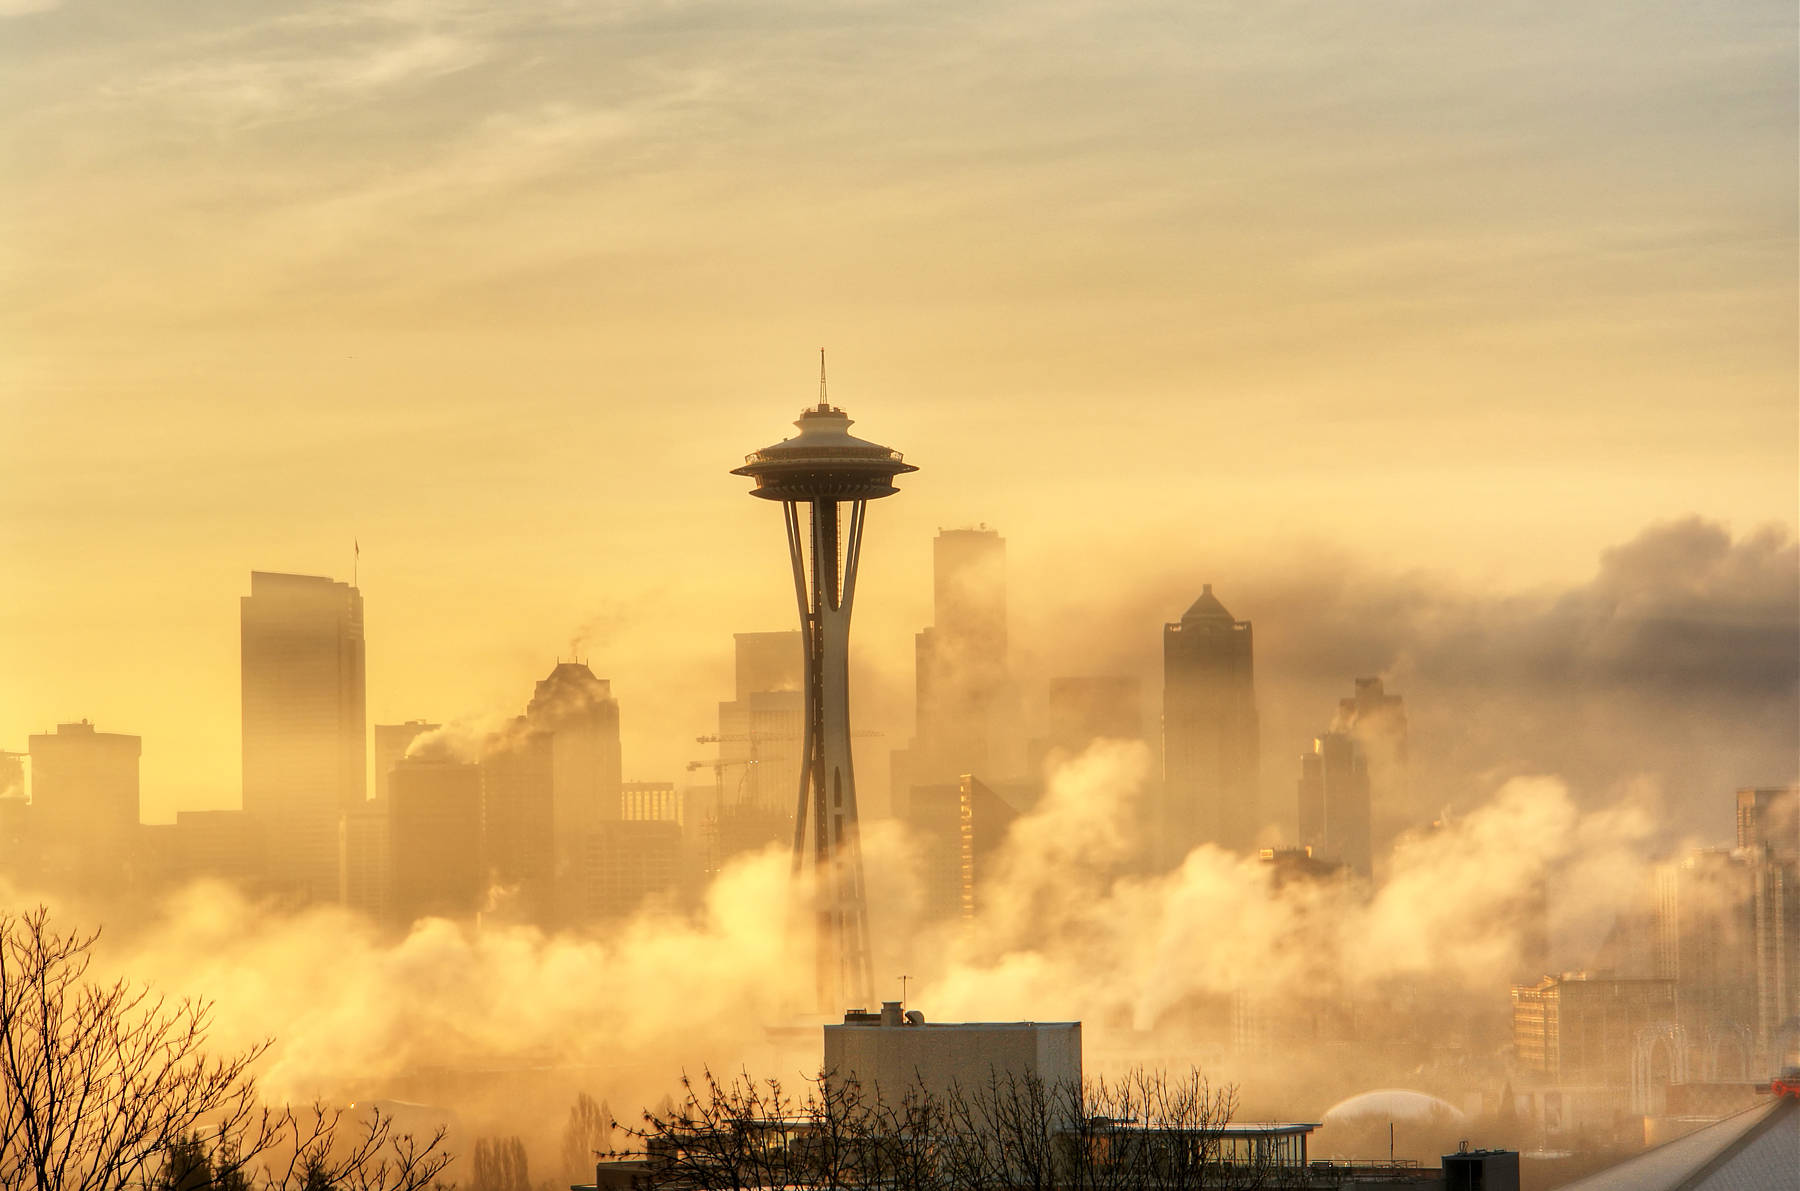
(581, 716)
(1768, 824)
(1085, 708)
(960, 660)
(365, 859)
(518, 809)
(435, 864)
(960, 828)
(226, 846)
(1211, 749)
(1334, 801)
(1376, 720)
(579, 711)
(652, 802)
(84, 800)
(761, 743)
(631, 865)
(1573, 1030)
(305, 753)
(1706, 944)
(391, 743)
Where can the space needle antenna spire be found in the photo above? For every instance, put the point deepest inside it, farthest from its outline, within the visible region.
(833, 475)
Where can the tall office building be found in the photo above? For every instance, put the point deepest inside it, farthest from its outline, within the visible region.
(1376, 721)
(960, 660)
(581, 716)
(652, 802)
(761, 742)
(84, 800)
(1706, 944)
(631, 865)
(434, 841)
(963, 695)
(579, 711)
(518, 808)
(1081, 710)
(365, 859)
(391, 743)
(1087, 708)
(1768, 822)
(961, 827)
(1768, 826)
(1334, 801)
(223, 846)
(1210, 733)
(304, 728)
(1573, 1030)
(768, 662)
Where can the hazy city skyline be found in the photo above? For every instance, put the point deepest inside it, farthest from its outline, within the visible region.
(391, 659)
(494, 289)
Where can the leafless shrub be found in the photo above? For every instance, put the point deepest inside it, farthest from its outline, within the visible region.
(108, 1086)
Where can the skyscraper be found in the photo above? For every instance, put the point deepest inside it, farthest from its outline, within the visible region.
(305, 753)
(1334, 801)
(582, 717)
(434, 841)
(960, 827)
(1768, 836)
(960, 660)
(84, 800)
(391, 743)
(1576, 1030)
(631, 865)
(1768, 822)
(518, 808)
(760, 738)
(1706, 944)
(1210, 733)
(1087, 708)
(1376, 721)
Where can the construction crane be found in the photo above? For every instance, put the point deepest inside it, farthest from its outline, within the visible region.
(753, 737)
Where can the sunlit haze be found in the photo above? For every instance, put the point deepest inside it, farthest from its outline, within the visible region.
(1183, 291)
(1454, 345)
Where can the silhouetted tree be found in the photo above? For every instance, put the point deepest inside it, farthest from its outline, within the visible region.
(500, 1165)
(587, 1135)
(187, 1166)
(105, 1087)
(1010, 1132)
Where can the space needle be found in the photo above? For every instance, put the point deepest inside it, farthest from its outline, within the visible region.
(832, 472)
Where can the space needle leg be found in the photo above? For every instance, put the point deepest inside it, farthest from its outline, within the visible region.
(797, 555)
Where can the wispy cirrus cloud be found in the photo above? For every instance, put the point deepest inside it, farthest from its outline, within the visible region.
(281, 83)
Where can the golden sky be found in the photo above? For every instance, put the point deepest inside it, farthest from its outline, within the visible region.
(502, 290)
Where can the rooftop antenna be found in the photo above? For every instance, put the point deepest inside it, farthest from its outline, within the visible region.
(903, 980)
(822, 404)
(355, 563)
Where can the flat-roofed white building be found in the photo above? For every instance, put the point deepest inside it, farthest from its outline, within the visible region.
(892, 1051)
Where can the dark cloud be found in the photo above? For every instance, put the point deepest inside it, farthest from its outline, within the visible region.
(1682, 609)
(1678, 663)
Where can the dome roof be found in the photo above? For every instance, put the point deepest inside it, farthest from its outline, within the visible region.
(1391, 1104)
